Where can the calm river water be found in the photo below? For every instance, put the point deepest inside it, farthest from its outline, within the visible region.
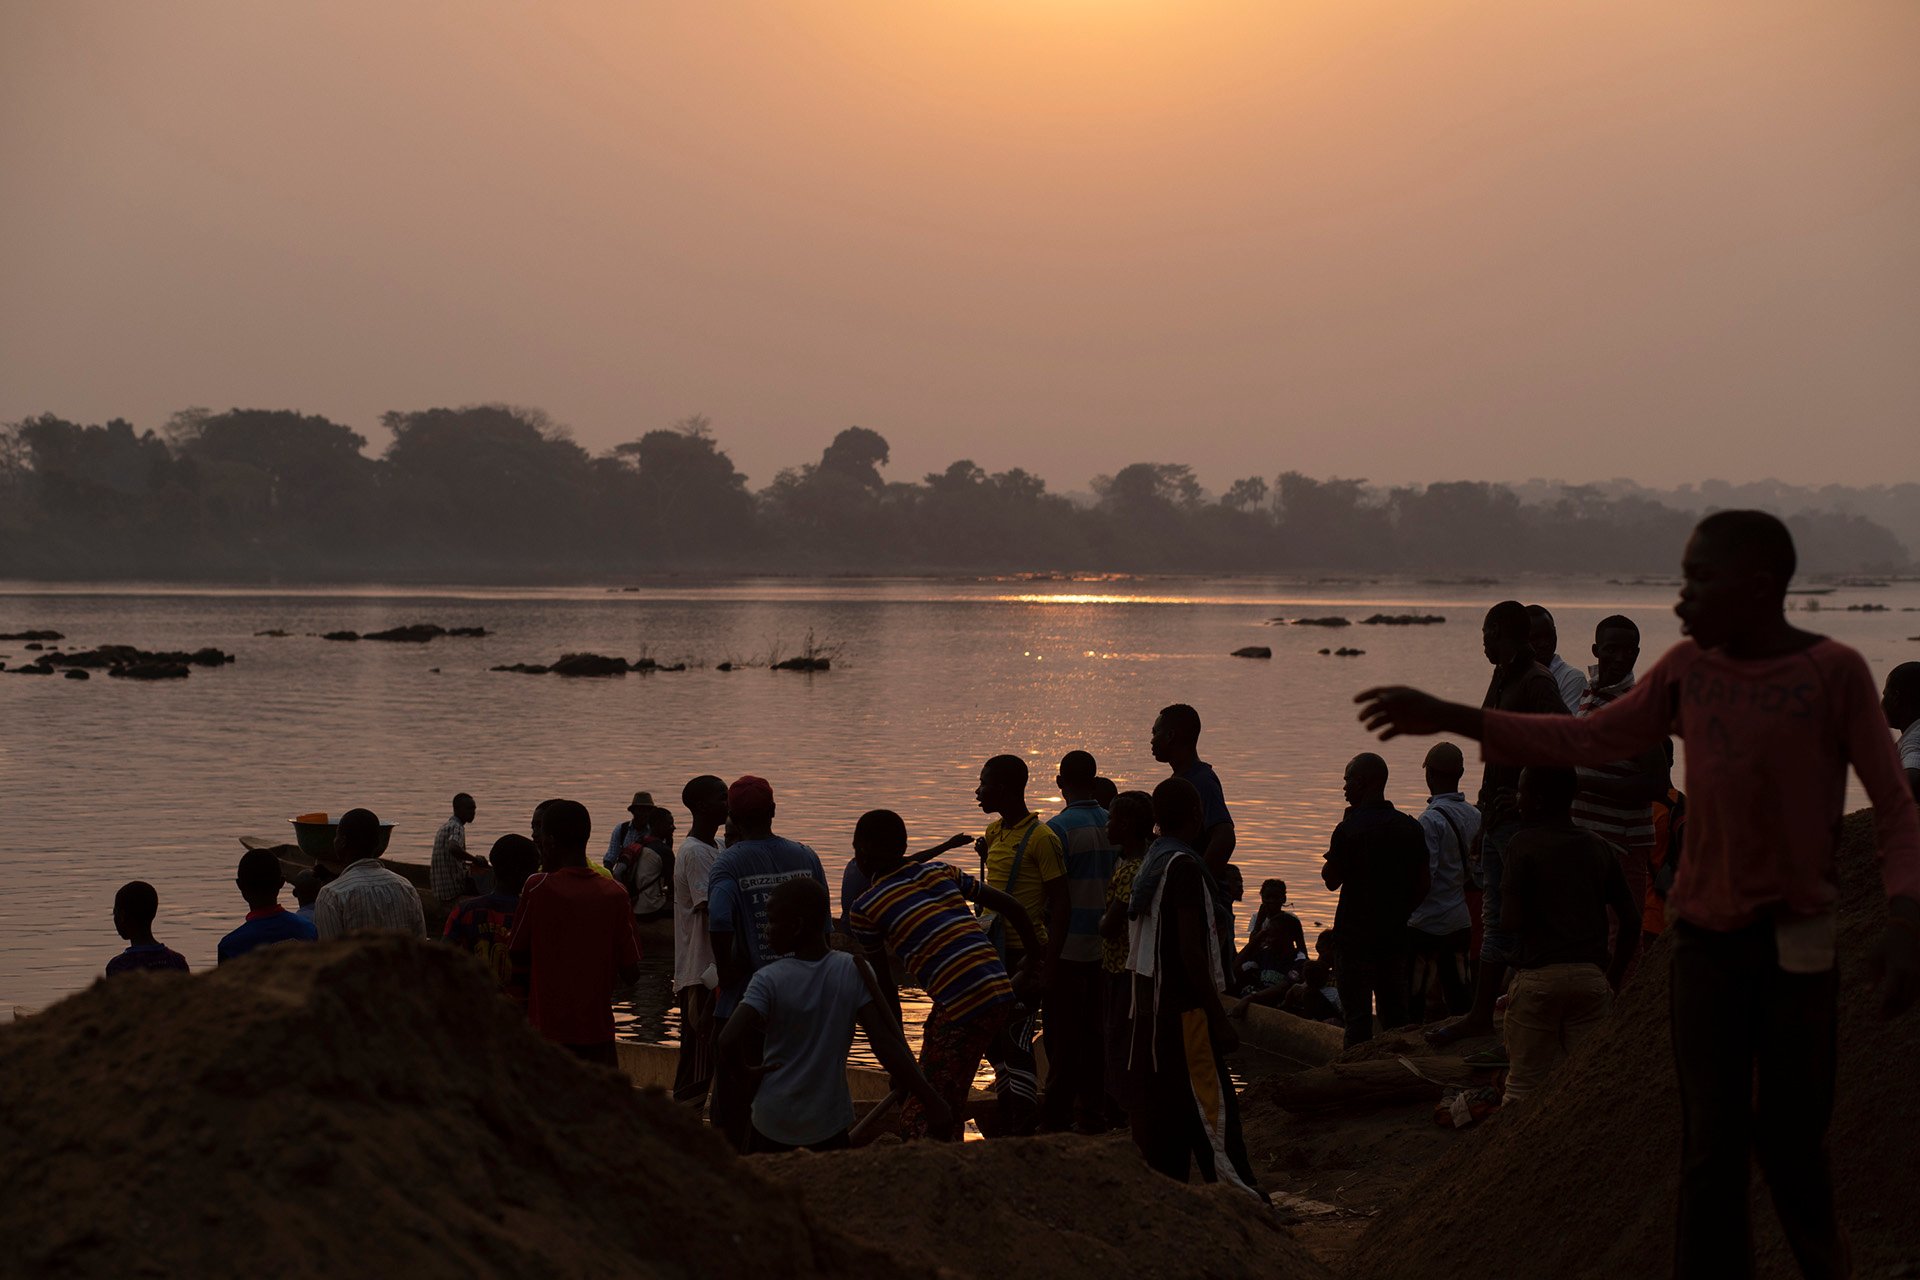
(111, 780)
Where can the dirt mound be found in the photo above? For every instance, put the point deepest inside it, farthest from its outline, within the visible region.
(1056, 1206)
(1582, 1181)
(361, 1108)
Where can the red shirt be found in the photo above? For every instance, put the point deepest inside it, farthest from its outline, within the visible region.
(1768, 745)
(574, 931)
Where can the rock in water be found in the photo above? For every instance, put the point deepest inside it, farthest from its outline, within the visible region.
(1253, 651)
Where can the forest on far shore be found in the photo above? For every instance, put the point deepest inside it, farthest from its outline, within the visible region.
(493, 493)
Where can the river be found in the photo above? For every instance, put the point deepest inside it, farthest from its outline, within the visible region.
(112, 780)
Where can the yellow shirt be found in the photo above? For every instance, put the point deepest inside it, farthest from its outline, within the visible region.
(1042, 863)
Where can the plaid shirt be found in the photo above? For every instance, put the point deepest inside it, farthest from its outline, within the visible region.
(368, 896)
(451, 880)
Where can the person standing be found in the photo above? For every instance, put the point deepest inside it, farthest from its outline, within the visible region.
(1615, 801)
(1075, 1091)
(259, 880)
(1377, 859)
(364, 894)
(1130, 829)
(1187, 1111)
(694, 973)
(1901, 701)
(744, 876)
(450, 870)
(1562, 883)
(1772, 717)
(483, 926)
(1175, 742)
(917, 911)
(1543, 637)
(1519, 684)
(1021, 857)
(573, 939)
(1441, 927)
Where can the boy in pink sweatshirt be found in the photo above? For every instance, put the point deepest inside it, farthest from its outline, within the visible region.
(1772, 716)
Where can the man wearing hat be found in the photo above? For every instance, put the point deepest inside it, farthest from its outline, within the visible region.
(632, 831)
(1440, 931)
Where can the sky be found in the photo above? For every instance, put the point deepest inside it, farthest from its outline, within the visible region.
(1401, 241)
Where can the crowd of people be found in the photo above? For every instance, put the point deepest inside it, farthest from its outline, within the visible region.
(1105, 934)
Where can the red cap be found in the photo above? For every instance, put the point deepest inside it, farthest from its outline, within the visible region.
(750, 797)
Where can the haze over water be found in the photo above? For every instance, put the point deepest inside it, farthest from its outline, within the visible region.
(112, 780)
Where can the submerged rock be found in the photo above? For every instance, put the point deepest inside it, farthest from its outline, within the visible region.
(1321, 622)
(522, 668)
(341, 635)
(31, 635)
(1253, 651)
(1403, 620)
(77, 673)
(276, 632)
(804, 664)
(153, 671)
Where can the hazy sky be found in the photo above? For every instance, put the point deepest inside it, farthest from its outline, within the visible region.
(1416, 240)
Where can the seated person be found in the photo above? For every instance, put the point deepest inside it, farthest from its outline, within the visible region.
(268, 922)
(1276, 943)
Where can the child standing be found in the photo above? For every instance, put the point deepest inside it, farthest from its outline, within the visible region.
(1130, 828)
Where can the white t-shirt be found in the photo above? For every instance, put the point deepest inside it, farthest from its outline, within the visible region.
(1910, 747)
(810, 1007)
(692, 947)
(1573, 685)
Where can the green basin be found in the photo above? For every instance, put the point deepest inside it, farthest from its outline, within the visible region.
(316, 838)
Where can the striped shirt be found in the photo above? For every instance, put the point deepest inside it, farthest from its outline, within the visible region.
(920, 912)
(368, 896)
(1082, 828)
(1625, 823)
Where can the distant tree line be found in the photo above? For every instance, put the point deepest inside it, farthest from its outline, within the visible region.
(496, 493)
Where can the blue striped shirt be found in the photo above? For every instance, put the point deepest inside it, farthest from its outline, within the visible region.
(1090, 858)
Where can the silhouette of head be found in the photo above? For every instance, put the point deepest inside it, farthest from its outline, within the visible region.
(1543, 635)
(1616, 649)
(1901, 698)
(1734, 574)
(1176, 810)
(879, 842)
(1506, 633)
(134, 907)
(1546, 794)
(1366, 778)
(259, 878)
(513, 858)
(1003, 785)
(1176, 733)
(357, 836)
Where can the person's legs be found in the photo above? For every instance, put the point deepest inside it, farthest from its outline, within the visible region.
(950, 1053)
(1585, 999)
(1091, 1100)
(1166, 1125)
(1451, 960)
(1533, 1034)
(1716, 1007)
(1355, 983)
(1634, 865)
(1072, 1041)
(693, 1074)
(1218, 1144)
(1389, 983)
(1014, 1074)
(1496, 944)
(730, 1110)
(1798, 1058)
(1118, 1016)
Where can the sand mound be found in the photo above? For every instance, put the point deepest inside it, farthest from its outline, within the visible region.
(1055, 1206)
(363, 1108)
(1582, 1181)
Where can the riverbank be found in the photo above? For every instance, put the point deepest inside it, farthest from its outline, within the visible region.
(187, 1127)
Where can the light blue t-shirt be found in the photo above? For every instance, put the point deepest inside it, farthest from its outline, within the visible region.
(744, 877)
(810, 1007)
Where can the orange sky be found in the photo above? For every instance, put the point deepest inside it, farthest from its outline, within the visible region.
(1405, 241)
